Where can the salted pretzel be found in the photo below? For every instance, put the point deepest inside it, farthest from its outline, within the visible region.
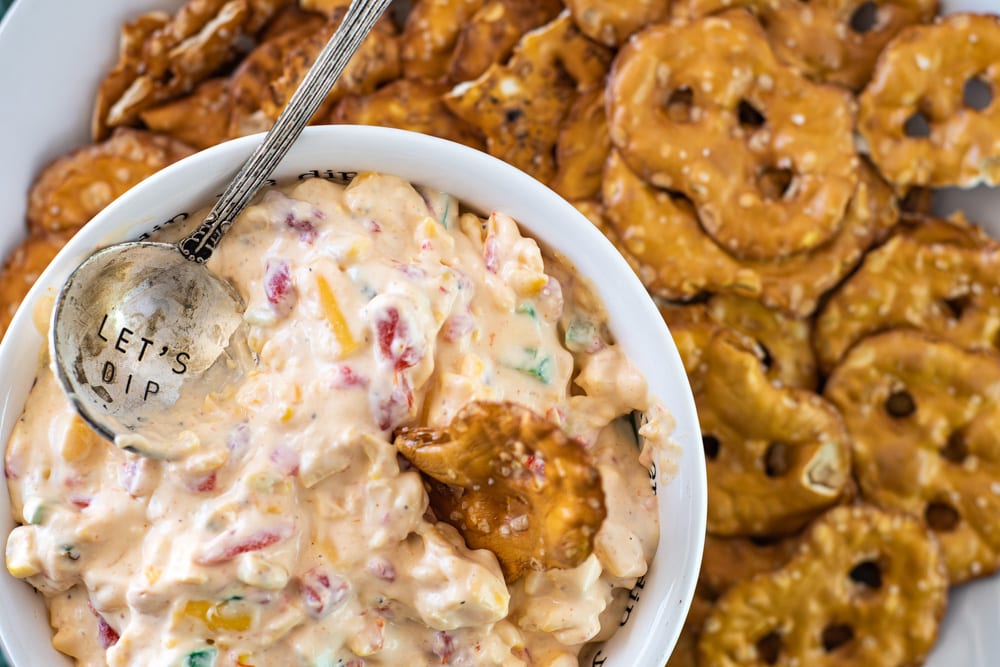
(726, 561)
(776, 456)
(199, 120)
(867, 587)
(512, 482)
(939, 278)
(660, 234)
(429, 35)
(22, 269)
(834, 41)
(163, 57)
(783, 343)
(408, 104)
(766, 156)
(73, 188)
(931, 114)
(520, 105)
(491, 33)
(582, 148)
(611, 22)
(924, 416)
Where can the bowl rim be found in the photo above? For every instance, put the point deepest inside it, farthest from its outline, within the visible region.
(572, 235)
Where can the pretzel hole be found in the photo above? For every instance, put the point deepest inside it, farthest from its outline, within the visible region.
(711, 445)
(749, 115)
(956, 449)
(836, 635)
(764, 540)
(941, 517)
(977, 94)
(766, 358)
(957, 305)
(900, 404)
(865, 18)
(769, 648)
(774, 182)
(867, 573)
(917, 126)
(680, 105)
(777, 459)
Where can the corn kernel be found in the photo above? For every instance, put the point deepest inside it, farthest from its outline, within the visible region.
(331, 309)
(79, 441)
(22, 557)
(222, 616)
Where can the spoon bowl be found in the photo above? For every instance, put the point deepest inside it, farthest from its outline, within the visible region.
(143, 334)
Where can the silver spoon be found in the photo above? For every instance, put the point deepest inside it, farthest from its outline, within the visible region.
(143, 332)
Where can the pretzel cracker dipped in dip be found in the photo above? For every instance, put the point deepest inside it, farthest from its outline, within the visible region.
(292, 533)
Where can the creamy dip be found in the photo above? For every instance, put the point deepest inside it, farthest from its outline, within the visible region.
(291, 533)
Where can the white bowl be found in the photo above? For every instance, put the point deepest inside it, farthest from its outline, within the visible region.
(654, 618)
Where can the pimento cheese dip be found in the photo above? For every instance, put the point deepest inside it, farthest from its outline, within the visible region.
(293, 534)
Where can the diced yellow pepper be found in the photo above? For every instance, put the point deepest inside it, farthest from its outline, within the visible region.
(222, 616)
(331, 309)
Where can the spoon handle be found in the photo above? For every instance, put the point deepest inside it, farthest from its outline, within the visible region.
(330, 63)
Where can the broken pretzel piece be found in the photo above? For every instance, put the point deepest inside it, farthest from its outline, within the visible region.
(512, 482)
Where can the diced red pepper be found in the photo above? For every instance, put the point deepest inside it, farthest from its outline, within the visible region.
(278, 286)
(255, 542)
(382, 568)
(395, 340)
(443, 646)
(322, 592)
(106, 635)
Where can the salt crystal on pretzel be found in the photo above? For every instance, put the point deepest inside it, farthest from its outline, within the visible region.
(924, 416)
(161, 60)
(934, 279)
(429, 35)
(521, 105)
(867, 587)
(408, 104)
(834, 41)
(484, 480)
(676, 260)
(776, 456)
(73, 188)
(766, 156)
(611, 22)
(931, 114)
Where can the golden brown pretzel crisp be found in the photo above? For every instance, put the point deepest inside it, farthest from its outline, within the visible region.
(766, 156)
(520, 105)
(488, 37)
(250, 83)
(162, 58)
(924, 416)
(776, 456)
(545, 503)
(611, 22)
(676, 260)
(375, 63)
(429, 35)
(22, 269)
(784, 342)
(72, 189)
(914, 117)
(582, 147)
(200, 119)
(867, 587)
(940, 278)
(834, 41)
(408, 104)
